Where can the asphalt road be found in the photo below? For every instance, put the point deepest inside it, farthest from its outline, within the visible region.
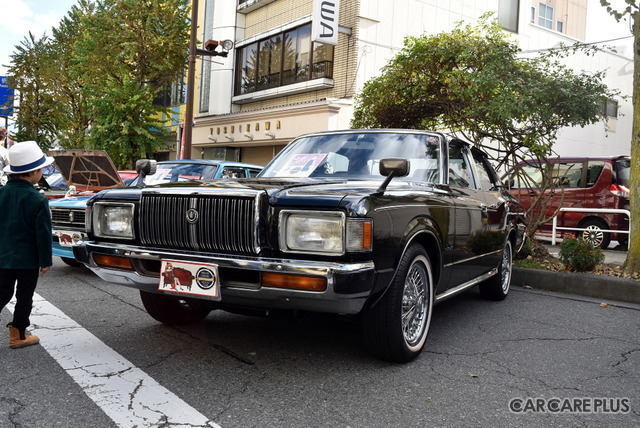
(236, 371)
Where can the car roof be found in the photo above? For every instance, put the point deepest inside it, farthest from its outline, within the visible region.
(447, 137)
(578, 158)
(210, 162)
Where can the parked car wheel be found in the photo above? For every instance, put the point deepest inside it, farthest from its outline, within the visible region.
(71, 262)
(497, 287)
(594, 233)
(171, 310)
(396, 326)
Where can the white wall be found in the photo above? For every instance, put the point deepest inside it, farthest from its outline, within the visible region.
(385, 23)
(224, 27)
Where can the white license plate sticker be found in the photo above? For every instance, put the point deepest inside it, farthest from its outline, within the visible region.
(68, 238)
(185, 278)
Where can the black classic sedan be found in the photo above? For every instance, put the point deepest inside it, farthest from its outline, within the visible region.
(378, 224)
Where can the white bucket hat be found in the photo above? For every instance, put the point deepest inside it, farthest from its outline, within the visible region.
(26, 157)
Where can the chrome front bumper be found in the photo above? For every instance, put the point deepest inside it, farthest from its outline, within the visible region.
(238, 293)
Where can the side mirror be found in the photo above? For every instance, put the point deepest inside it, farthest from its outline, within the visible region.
(145, 167)
(399, 167)
(392, 167)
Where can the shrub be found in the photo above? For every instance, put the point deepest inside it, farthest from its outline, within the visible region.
(579, 255)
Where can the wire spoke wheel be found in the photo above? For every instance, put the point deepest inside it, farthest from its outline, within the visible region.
(505, 269)
(396, 327)
(414, 303)
(497, 287)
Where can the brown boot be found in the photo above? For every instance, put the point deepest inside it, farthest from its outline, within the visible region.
(20, 338)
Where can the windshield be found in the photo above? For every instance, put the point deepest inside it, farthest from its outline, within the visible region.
(56, 181)
(356, 155)
(176, 172)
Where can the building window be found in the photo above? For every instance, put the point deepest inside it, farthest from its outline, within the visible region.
(609, 108)
(545, 18)
(560, 26)
(533, 15)
(282, 59)
(508, 14)
(172, 94)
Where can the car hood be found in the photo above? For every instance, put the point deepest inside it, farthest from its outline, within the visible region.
(71, 202)
(280, 191)
(87, 170)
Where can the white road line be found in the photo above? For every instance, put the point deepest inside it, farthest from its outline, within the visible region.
(125, 393)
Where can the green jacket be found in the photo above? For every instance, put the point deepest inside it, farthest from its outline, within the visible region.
(25, 227)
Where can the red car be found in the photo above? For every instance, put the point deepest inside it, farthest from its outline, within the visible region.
(585, 184)
(127, 176)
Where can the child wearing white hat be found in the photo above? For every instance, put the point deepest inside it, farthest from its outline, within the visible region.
(25, 236)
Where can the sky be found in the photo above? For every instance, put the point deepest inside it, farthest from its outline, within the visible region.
(21, 16)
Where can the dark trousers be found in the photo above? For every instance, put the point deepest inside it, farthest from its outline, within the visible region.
(23, 282)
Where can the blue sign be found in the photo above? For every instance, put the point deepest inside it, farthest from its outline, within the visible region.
(6, 97)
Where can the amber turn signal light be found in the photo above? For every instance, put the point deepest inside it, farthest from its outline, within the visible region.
(294, 282)
(113, 261)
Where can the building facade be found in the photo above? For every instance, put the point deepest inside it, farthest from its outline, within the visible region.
(277, 83)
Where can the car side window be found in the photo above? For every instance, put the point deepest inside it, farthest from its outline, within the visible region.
(594, 169)
(231, 172)
(485, 174)
(567, 174)
(253, 172)
(459, 168)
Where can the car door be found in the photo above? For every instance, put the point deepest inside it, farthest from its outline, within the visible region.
(491, 240)
(568, 192)
(470, 214)
(565, 189)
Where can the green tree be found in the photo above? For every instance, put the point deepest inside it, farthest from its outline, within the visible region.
(28, 75)
(473, 81)
(66, 81)
(129, 51)
(632, 9)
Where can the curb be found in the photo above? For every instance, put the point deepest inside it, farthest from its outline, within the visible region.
(591, 285)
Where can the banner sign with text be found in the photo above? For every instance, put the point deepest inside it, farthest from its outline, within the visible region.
(6, 98)
(324, 25)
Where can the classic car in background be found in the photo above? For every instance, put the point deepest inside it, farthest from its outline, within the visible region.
(379, 224)
(198, 170)
(84, 172)
(92, 171)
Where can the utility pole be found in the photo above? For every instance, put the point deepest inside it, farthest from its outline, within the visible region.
(185, 148)
(210, 49)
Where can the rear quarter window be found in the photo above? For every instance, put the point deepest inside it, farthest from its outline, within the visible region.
(593, 172)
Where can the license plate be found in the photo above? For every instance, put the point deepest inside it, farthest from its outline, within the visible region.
(186, 278)
(68, 238)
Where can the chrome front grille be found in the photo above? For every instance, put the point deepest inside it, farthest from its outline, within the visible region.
(218, 223)
(66, 217)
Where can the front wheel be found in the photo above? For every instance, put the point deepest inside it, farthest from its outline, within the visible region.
(594, 233)
(172, 310)
(396, 327)
(497, 287)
